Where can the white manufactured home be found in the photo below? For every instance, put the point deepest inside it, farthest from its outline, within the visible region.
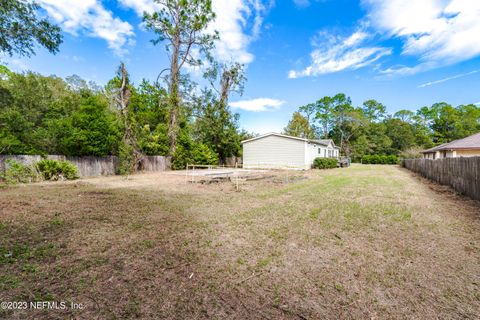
(273, 150)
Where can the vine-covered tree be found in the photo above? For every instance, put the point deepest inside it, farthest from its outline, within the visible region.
(120, 91)
(182, 25)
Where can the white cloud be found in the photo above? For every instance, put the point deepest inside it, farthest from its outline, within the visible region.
(238, 22)
(404, 70)
(305, 3)
(258, 105)
(336, 54)
(232, 18)
(439, 32)
(91, 17)
(447, 79)
(302, 3)
(14, 64)
(140, 6)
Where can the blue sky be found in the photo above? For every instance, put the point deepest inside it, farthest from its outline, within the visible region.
(403, 53)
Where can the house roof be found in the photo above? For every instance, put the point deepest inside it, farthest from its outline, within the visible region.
(471, 142)
(324, 142)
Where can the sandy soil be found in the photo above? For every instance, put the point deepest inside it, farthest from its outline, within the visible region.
(372, 242)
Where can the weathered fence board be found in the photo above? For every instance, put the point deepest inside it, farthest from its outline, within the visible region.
(234, 161)
(92, 166)
(462, 174)
(155, 163)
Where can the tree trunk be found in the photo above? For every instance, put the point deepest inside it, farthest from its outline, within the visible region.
(174, 94)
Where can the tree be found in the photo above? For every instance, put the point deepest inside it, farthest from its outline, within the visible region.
(400, 132)
(232, 79)
(151, 118)
(215, 124)
(21, 29)
(369, 129)
(76, 83)
(92, 130)
(469, 120)
(35, 103)
(299, 127)
(445, 122)
(309, 111)
(182, 24)
(373, 110)
(129, 150)
(324, 115)
(404, 115)
(347, 120)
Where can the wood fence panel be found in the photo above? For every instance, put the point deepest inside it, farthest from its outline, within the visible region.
(155, 163)
(462, 174)
(92, 166)
(234, 161)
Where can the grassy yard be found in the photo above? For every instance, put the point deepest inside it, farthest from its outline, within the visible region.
(358, 243)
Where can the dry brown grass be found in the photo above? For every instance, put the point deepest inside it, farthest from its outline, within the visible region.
(363, 242)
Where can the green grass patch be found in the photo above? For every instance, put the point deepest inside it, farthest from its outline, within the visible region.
(278, 234)
(9, 282)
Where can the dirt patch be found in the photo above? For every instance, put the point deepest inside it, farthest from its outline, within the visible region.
(347, 243)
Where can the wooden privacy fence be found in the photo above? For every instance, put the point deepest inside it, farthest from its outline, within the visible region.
(462, 174)
(92, 166)
(234, 161)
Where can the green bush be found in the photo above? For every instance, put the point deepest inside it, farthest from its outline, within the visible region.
(17, 172)
(380, 159)
(202, 154)
(325, 163)
(198, 154)
(57, 170)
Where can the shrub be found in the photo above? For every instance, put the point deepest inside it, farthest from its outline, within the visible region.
(198, 154)
(202, 154)
(17, 172)
(325, 163)
(57, 170)
(380, 159)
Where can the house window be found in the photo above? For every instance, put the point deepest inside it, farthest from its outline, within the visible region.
(319, 151)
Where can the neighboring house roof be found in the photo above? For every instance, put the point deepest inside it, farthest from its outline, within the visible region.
(324, 142)
(471, 142)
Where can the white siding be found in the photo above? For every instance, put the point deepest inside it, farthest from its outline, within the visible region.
(275, 152)
(313, 153)
(325, 152)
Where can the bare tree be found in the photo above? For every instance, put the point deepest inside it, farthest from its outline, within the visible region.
(232, 79)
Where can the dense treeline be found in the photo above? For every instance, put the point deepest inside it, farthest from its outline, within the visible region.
(369, 129)
(49, 115)
(170, 116)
